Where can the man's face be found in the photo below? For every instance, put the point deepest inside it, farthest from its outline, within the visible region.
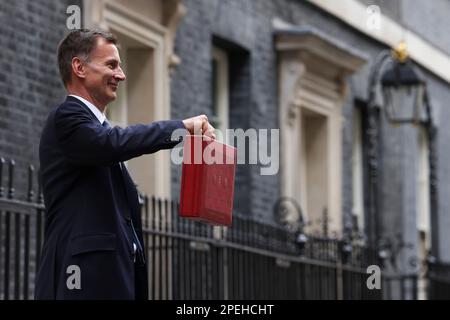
(103, 72)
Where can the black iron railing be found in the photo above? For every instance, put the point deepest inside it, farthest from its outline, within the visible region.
(21, 235)
(250, 260)
(438, 280)
(192, 260)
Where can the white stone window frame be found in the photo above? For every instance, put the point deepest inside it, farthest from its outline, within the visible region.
(312, 71)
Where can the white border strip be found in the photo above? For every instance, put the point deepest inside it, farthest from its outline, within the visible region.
(390, 33)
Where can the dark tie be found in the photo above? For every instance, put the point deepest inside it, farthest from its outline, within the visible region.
(106, 124)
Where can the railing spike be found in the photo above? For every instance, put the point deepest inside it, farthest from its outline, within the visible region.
(40, 196)
(30, 182)
(2, 164)
(12, 164)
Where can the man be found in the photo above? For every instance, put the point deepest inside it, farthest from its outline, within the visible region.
(93, 246)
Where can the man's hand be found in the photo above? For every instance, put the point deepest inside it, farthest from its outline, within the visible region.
(199, 125)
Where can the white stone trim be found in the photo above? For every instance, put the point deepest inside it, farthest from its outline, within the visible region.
(294, 169)
(310, 81)
(391, 33)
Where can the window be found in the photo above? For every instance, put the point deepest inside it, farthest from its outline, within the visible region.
(423, 190)
(423, 183)
(314, 165)
(357, 170)
(423, 204)
(220, 92)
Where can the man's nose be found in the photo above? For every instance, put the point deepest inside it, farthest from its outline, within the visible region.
(120, 76)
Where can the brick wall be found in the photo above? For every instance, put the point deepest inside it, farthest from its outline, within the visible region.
(29, 79)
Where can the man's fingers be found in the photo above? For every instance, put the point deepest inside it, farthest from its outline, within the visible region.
(205, 124)
(199, 125)
(210, 133)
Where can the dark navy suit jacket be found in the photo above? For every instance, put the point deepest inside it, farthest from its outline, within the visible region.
(92, 204)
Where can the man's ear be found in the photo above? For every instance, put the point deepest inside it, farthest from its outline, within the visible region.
(78, 67)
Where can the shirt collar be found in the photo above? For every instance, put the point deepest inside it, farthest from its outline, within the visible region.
(98, 114)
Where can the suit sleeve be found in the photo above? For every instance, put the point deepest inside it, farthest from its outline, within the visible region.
(87, 142)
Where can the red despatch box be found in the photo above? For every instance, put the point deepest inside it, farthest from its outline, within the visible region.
(207, 181)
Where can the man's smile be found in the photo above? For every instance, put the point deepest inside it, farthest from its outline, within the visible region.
(113, 85)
